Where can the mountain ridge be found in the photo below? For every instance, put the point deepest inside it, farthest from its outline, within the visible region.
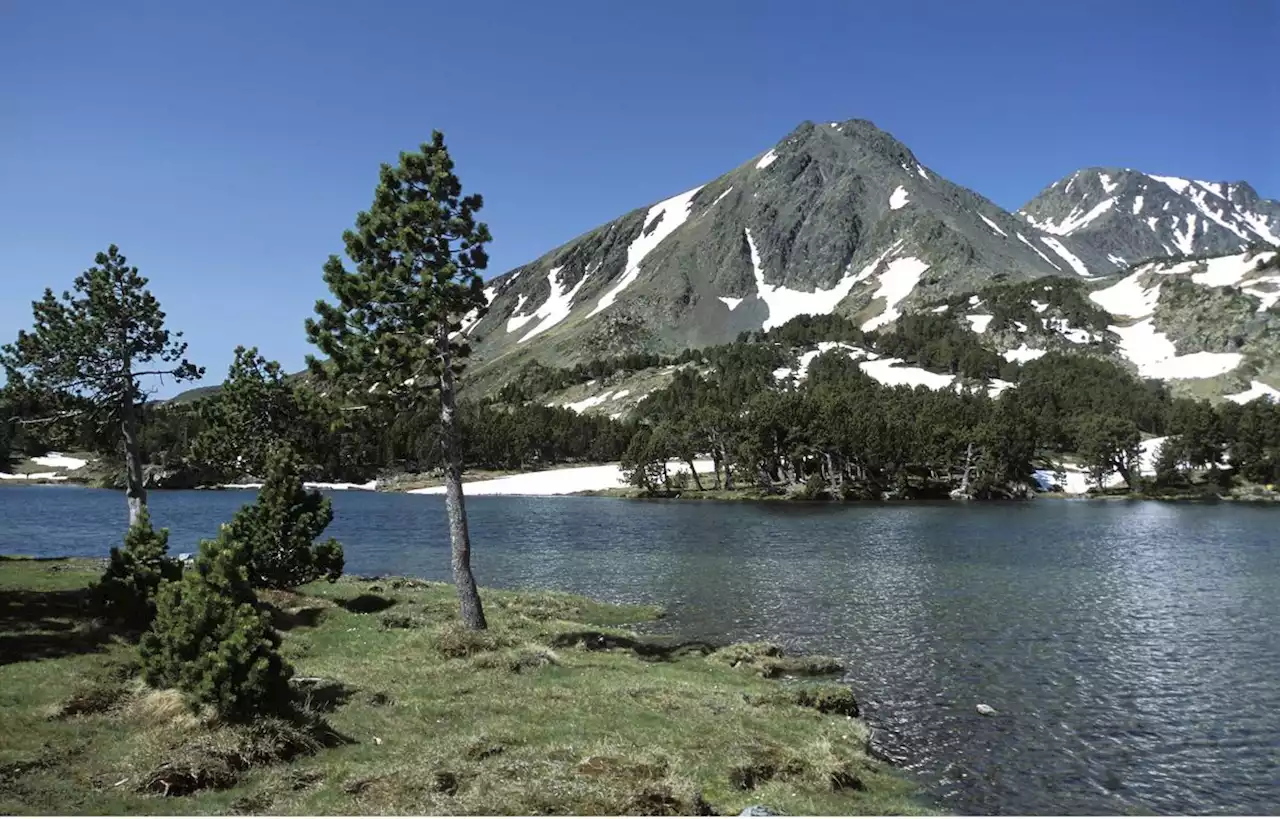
(834, 216)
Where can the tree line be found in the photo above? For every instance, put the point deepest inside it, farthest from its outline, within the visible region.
(390, 334)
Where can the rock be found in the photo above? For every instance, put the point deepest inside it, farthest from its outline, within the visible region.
(757, 810)
(986, 710)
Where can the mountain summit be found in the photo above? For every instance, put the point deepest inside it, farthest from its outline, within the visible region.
(1120, 217)
(837, 216)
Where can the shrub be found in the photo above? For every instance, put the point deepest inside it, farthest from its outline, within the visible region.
(127, 590)
(210, 640)
(279, 530)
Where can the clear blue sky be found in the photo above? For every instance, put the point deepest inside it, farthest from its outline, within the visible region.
(225, 146)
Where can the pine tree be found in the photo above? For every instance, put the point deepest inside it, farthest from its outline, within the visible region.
(253, 412)
(279, 529)
(396, 331)
(210, 640)
(128, 588)
(98, 345)
(1109, 444)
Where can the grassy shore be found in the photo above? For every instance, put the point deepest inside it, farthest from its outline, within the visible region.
(556, 709)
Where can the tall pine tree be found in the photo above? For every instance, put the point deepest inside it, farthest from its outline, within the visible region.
(395, 333)
(98, 345)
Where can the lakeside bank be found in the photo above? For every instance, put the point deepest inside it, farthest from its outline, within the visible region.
(558, 708)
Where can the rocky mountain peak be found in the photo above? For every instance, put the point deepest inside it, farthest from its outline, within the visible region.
(1115, 217)
(837, 217)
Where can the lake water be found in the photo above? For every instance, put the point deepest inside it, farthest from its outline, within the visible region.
(1132, 650)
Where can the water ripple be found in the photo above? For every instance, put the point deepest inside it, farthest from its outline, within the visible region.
(1131, 649)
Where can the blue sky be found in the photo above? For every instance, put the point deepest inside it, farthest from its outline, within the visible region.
(226, 146)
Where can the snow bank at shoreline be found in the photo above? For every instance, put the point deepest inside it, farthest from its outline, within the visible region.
(57, 460)
(365, 487)
(1075, 479)
(551, 482)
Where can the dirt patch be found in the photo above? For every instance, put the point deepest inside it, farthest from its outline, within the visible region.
(770, 661)
(390, 622)
(95, 698)
(826, 699)
(664, 801)
(518, 660)
(651, 650)
(455, 641)
(216, 759)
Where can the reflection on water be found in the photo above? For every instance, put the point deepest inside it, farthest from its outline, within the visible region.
(1131, 649)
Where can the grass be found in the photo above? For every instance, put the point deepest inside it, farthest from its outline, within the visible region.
(408, 481)
(556, 709)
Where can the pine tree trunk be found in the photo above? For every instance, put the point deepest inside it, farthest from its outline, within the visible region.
(455, 506)
(693, 471)
(134, 490)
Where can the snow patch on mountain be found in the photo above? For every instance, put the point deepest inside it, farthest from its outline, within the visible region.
(923, 175)
(558, 304)
(1175, 184)
(1156, 357)
(730, 302)
(516, 321)
(669, 215)
(1024, 354)
(1256, 390)
(1074, 221)
(1185, 241)
(1128, 297)
(979, 322)
(1039, 252)
(801, 371)
(896, 283)
(993, 226)
(1107, 184)
(1261, 226)
(593, 401)
(1137, 205)
(888, 371)
(898, 198)
(785, 304)
(1075, 335)
(1218, 215)
(765, 161)
(1076, 265)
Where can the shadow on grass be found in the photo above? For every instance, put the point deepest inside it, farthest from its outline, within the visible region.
(41, 625)
(283, 619)
(651, 650)
(366, 604)
(321, 696)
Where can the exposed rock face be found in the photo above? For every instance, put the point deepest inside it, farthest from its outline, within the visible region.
(1198, 318)
(836, 217)
(1115, 217)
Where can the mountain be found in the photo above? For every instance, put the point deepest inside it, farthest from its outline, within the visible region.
(841, 218)
(837, 217)
(1207, 327)
(1114, 217)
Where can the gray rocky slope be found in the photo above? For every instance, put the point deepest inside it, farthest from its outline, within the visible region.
(1121, 217)
(837, 217)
